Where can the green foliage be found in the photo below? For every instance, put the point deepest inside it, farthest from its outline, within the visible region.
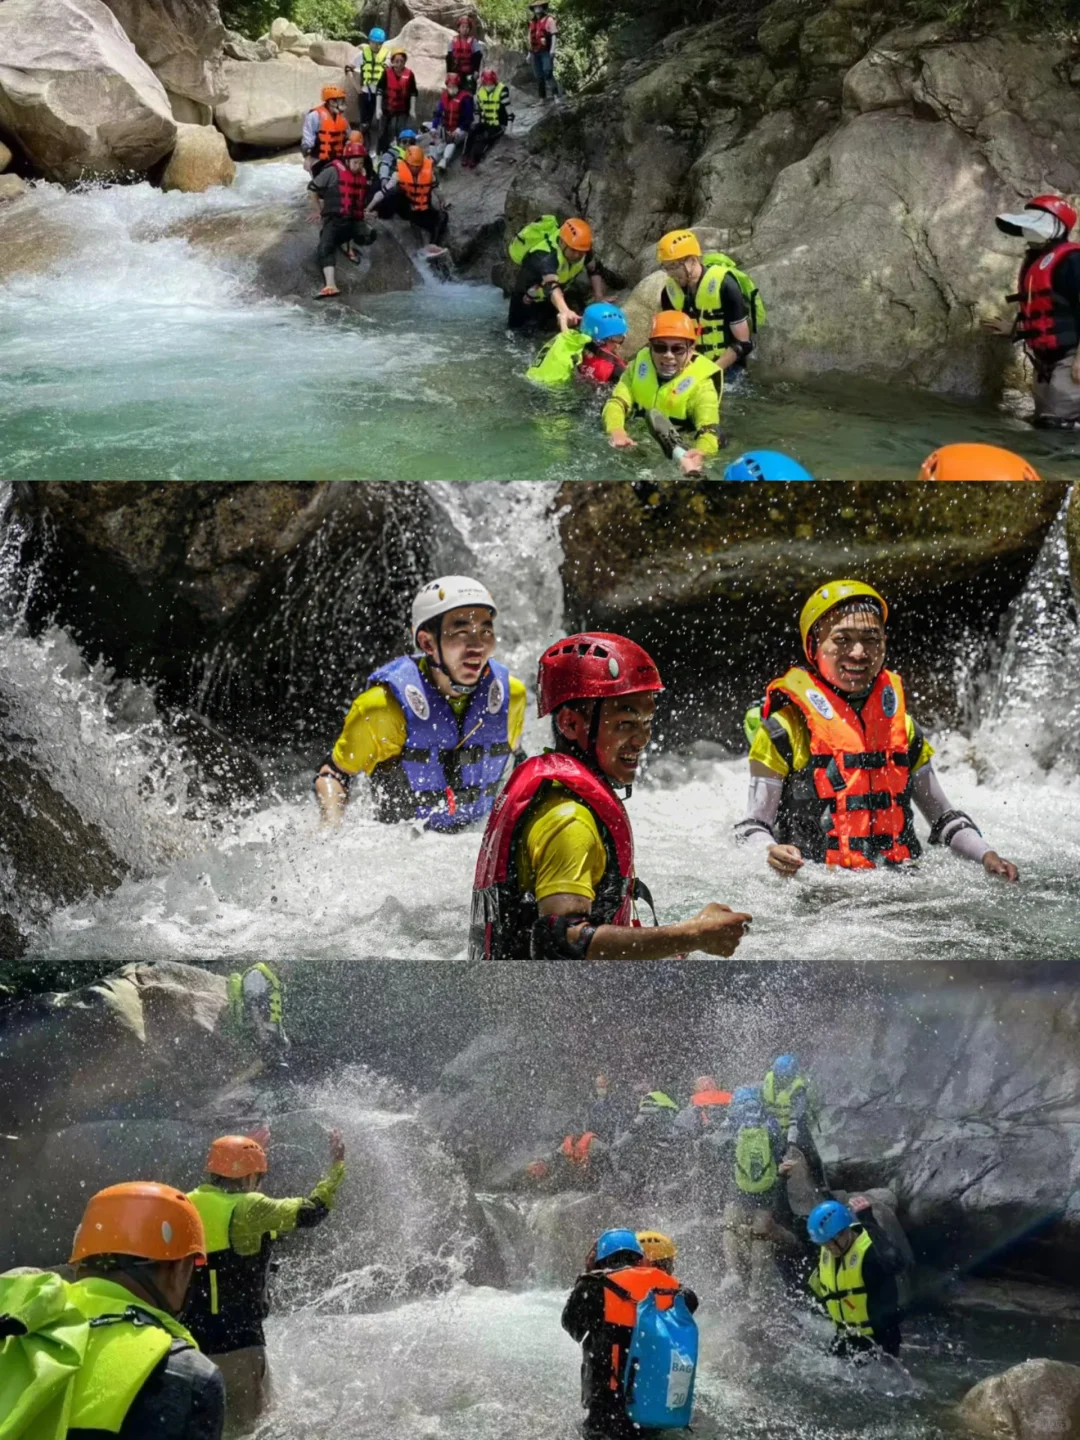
(983, 16)
(581, 48)
(252, 17)
(334, 19)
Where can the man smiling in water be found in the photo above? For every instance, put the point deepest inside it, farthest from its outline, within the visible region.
(434, 730)
(837, 761)
(555, 879)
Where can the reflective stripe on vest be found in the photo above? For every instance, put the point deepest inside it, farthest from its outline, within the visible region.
(125, 1346)
(755, 1165)
(707, 306)
(779, 1102)
(451, 109)
(499, 907)
(397, 91)
(557, 361)
(453, 770)
(840, 1285)
(490, 100)
(333, 132)
(230, 1286)
(538, 33)
(353, 190)
(1048, 325)
(373, 64)
(417, 185)
(860, 765)
(671, 397)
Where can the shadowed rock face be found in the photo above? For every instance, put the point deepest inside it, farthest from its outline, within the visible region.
(711, 578)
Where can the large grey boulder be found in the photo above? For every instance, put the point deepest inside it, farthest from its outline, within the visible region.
(1038, 1400)
(74, 93)
(426, 44)
(266, 103)
(731, 179)
(180, 40)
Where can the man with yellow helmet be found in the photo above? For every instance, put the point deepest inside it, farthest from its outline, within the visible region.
(714, 292)
(837, 763)
(668, 376)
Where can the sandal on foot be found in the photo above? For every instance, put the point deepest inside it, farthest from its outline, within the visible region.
(327, 292)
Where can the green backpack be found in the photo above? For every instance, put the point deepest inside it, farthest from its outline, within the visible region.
(754, 302)
(544, 231)
(43, 1340)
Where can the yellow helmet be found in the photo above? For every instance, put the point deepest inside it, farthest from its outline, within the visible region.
(826, 596)
(677, 245)
(656, 1246)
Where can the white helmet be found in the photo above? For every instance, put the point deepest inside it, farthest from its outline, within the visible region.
(447, 593)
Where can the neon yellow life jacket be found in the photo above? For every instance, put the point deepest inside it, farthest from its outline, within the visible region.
(236, 993)
(755, 1166)
(840, 1284)
(373, 63)
(779, 1102)
(707, 307)
(490, 99)
(557, 361)
(537, 235)
(671, 397)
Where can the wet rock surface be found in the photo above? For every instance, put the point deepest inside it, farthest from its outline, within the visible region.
(1038, 1400)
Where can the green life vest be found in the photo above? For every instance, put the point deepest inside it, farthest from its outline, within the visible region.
(490, 99)
(707, 307)
(755, 1167)
(671, 397)
(537, 235)
(557, 361)
(372, 63)
(235, 985)
(656, 1100)
(88, 1350)
(840, 1284)
(779, 1102)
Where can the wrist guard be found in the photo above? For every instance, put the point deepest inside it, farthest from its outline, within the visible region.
(946, 827)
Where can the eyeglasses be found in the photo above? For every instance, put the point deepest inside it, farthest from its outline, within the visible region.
(677, 348)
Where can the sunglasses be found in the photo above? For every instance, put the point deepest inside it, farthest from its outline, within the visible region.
(674, 347)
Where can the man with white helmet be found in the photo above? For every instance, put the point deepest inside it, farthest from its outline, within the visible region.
(433, 730)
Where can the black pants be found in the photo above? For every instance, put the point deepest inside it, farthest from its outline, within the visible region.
(392, 127)
(338, 231)
(539, 315)
(433, 222)
(367, 109)
(481, 139)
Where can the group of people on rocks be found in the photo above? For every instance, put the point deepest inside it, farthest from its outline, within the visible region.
(155, 1332)
(838, 768)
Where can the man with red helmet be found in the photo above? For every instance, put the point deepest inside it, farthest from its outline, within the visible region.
(227, 1303)
(1048, 320)
(555, 879)
(342, 189)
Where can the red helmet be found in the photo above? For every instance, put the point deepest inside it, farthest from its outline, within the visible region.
(593, 666)
(489, 77)
(464, 20)
(1056, 206)
(354, 148)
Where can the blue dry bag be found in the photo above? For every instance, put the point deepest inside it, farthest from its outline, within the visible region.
(660, 1365)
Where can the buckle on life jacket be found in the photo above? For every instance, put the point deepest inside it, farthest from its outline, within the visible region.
(451, 801)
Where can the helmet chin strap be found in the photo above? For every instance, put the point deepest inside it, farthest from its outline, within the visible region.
(587, 752)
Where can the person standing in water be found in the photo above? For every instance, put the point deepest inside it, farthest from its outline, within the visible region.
(856, 1277)
(435, 730)
(837, 763)
(555, 879)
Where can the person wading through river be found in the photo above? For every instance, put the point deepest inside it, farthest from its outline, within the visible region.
(836, 762)
(434, 730)
(555, 879)
(228, 1301)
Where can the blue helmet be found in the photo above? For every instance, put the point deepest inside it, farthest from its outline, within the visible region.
(377, 35)
(747, 1095)
(766, 465)
(612, 1241)
(785, 1067)
(407, 135)
(603, 321)
(827, 1220)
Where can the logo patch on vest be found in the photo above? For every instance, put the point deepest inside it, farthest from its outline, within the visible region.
(889, 702)
(495, 697)
(820, 704)
(417, 702)
(643, 369)
(711, 287)
(684, 384)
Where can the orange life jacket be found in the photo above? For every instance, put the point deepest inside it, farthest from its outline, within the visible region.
(538, 33)
(711, 1097)
(417, 184)
(623, 1292)
(333, 132)
(860, 763)
(397, 90)
(577, 1149)
(1047, 324)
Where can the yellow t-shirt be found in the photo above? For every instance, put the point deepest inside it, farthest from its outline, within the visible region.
(793, 720)
(561, 851)
(375, 729)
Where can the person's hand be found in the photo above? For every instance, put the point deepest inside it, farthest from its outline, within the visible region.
(692, 463)
(717, 929)
(859, 1203)
(785, 859)
(314, 218)
(337, 1147)
(621, 440)
(998, 327)
(993, 864)
(568, 320)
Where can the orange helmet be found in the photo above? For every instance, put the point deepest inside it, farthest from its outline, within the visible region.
(577, 234)
(975, 462)
(332, 92)
(414, 157)
(234, 1156)
(140, 1218)
(673, 325)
